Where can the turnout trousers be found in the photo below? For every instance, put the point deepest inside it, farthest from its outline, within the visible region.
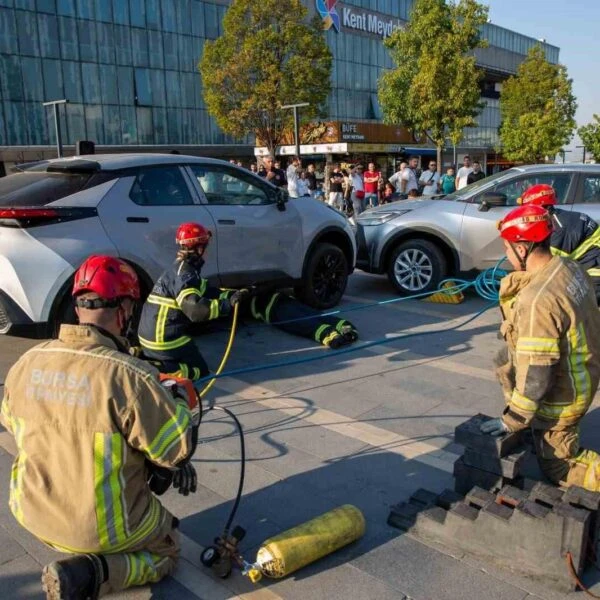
(562, 460)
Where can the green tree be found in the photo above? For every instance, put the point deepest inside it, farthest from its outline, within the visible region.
(269, 55)
(434, 87)
(537, 108)
(590, 136)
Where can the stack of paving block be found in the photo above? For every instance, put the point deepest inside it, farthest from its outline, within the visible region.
(528, 532)
(487, 462)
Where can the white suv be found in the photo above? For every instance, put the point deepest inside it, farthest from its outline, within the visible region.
(55, 213)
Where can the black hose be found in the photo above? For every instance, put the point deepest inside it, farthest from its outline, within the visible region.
(240, 490)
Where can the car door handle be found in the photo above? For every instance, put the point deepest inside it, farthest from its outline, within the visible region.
(138, 220)
(226, 221)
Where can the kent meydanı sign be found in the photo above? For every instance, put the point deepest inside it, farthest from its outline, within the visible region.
(338, 17)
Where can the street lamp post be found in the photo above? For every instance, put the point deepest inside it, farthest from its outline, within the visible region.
(584, 149)
(54, 104)
(295, 107)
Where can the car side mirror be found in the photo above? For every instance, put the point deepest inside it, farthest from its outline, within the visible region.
(282, 198)
(492, 199)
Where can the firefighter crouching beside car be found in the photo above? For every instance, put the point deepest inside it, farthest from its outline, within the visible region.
(551, 325)
(91, 424)
(181, 296)
(576, 235)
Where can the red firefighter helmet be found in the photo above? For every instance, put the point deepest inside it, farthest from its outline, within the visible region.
(529, 223)
(191, 235)
(541, 194)
(109, 277)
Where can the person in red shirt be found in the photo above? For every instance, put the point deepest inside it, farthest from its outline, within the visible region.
(371, 181)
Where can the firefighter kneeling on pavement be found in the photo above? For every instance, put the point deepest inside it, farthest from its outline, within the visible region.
(94, 428)
(550, 372)
(181, 296)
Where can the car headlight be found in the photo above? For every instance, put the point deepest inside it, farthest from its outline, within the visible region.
(379, 218)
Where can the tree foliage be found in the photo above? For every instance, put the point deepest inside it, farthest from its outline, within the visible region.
(537, 108)
(269, 55)
(590, 136)
(434, 88)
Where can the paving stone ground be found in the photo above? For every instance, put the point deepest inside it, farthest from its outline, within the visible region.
(368, 427)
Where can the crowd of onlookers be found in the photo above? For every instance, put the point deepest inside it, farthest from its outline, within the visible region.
(354, 189)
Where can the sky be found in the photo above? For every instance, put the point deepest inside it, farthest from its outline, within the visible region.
(573, 26)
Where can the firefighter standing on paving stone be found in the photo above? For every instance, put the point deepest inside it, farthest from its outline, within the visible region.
(92, 425)
(551, 325)
(576, 235)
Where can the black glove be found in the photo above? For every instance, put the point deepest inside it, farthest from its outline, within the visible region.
(185, 479)
(239, 296)
(160, 478)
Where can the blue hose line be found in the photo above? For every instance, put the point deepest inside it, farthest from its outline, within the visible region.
(329, 355)
(486, 284)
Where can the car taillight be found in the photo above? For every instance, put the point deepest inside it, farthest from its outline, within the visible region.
(33, 217)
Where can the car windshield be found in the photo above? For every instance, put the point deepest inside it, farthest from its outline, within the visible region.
(467, 192)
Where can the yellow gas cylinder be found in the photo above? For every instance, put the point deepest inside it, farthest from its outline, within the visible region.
(297, 547)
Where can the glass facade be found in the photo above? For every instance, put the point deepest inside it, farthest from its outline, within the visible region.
(127, 67)
(129, 70)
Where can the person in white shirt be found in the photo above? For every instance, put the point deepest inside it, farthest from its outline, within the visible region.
(408, 180)
(430, 180)
(358, 190)
(302, 185)
(397, 176)
(292, 177)
(463, 173)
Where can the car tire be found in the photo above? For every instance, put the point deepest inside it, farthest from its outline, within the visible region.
(325, 277)
(416, 267)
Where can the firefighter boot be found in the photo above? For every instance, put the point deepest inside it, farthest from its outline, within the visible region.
(349, 333)
(335, 341)
(75, 578)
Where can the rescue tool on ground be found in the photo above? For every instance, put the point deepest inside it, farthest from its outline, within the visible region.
(576, 235)
(550, 368)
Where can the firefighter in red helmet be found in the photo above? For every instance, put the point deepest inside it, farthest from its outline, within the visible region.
(89, 422)
(181, 296)
(551, 366)
(575, 234)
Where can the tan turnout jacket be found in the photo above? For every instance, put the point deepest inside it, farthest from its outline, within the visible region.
(552, 329)
(86, 417)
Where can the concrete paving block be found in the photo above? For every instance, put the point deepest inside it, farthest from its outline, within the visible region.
(469, 435)
(581, 498)
(478, 497)
(466, 478)
(462, 511)
(545, 494)
(576, 533)
(424, 497)
(508, 466)
(449, 497)
(403, 515)
(496, 510)
(512, 496)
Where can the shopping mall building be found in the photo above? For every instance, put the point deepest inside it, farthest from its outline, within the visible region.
(128, 69)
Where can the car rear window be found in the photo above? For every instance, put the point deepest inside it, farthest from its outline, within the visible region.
(40, 188)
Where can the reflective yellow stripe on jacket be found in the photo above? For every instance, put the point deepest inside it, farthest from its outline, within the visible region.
(539, 346)
(593, 240)
(174, 429)
(111, 512)
(17, 471)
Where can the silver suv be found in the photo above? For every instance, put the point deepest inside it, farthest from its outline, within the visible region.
(54, 214)
(418, 243)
